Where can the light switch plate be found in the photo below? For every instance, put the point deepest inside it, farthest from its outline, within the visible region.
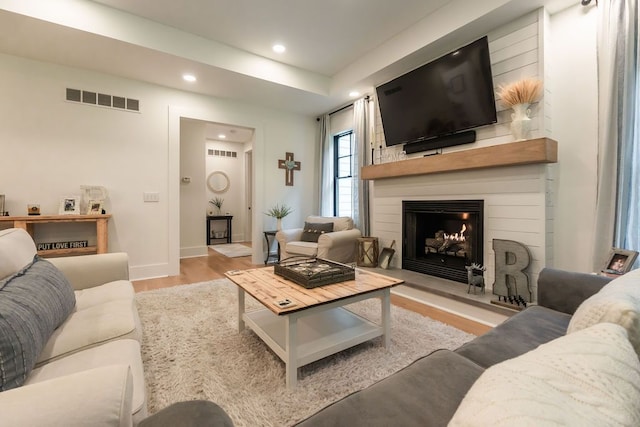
(151, 196)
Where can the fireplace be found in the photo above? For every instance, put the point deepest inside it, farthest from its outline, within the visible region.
(442, 237)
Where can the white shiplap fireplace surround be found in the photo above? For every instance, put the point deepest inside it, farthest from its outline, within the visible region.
(515, 181)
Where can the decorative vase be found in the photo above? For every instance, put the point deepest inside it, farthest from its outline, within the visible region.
(521, 122)
(279, 224)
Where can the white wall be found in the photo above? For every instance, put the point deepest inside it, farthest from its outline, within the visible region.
(49, 147)
(192, 194)
(575, 118)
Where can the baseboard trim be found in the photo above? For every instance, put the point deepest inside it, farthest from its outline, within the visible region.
(193, 251)
(150, 271)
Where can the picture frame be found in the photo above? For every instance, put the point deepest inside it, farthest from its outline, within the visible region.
(94, 207)
(619, 261)
(69, 206)
(33, 209)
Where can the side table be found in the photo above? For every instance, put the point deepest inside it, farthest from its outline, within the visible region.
(270, 236)
(226, 218)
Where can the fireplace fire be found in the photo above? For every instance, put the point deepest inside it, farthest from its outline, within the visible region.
(442, 237)
(451, 244)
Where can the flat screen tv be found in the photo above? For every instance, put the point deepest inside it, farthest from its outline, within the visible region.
(450, 94)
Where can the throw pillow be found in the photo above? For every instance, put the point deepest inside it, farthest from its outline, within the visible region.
(591, 378)
(617, 302)
(33, 303)
(311, 231)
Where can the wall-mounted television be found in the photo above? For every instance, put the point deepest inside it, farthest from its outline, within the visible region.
(433, 103)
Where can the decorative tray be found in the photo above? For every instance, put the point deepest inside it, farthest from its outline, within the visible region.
(313, 272)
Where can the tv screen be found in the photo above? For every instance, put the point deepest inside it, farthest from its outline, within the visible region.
(448, 95)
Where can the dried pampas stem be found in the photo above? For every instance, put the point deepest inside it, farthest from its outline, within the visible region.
(525, 91)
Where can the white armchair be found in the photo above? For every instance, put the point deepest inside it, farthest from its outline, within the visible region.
(339, 245)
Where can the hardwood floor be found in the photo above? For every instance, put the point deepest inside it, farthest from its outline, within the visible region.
(213, 266)
(200, 269)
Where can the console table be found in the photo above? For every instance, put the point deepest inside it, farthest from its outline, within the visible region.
(226, 218)
(29, 222)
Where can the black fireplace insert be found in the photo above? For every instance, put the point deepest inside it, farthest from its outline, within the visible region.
(442, 237)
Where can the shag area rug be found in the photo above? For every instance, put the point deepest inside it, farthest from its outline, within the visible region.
(232, 250)
(192, 349)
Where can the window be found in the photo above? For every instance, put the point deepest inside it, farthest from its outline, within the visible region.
(343, 149)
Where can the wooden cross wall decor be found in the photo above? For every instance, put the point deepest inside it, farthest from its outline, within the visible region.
(289, 165)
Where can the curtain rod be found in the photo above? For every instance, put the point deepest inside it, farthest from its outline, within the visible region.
(367, 98)
(341, 108)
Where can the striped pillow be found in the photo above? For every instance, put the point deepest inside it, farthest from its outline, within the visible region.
(33, 303)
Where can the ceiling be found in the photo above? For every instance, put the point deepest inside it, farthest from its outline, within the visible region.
(333, 47)
(320, 37)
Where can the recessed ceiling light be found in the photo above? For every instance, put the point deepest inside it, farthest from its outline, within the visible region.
(278, 48)
(222, 136)
(189, 77)
(354, 93)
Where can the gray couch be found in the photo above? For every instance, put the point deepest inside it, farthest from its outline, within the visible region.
(429, 391)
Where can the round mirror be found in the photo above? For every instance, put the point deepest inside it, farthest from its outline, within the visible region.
(218, 182)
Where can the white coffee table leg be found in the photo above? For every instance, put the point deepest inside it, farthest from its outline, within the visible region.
(291, 350)
(240, 309)
(386, 316)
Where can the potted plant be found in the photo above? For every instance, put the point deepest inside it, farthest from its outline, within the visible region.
(279, 212)
(217, 202)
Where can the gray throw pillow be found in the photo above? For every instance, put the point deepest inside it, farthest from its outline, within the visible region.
(33, 303)
(312, 232)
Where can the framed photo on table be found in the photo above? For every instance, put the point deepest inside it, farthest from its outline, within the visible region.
(94, 207)
(69, 206)
(619, 261)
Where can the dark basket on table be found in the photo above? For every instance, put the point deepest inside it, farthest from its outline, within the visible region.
(313, 272)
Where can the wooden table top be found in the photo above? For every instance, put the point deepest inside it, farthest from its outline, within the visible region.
(267, 287)
(54, 218)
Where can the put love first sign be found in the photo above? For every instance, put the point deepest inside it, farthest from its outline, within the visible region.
(62, 245)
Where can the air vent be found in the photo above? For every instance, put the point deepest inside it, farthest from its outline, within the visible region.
(222, 153)
(74, 95)
(89, 97)
(102, 100)
(119, 102)
(133, 104)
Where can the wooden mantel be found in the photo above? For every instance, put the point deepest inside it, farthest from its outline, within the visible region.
(540, 150)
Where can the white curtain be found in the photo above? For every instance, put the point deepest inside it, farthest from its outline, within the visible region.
(326, 167)
(360, 188)
(618, 158)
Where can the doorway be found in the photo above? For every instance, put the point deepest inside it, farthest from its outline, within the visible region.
(176, 114)
(212, 150)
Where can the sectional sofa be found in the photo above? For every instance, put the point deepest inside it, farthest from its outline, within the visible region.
(571, 360)
(69, 339)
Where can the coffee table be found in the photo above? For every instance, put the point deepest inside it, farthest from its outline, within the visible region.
(312, 323)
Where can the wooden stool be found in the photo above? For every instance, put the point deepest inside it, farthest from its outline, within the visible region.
(367, 252)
